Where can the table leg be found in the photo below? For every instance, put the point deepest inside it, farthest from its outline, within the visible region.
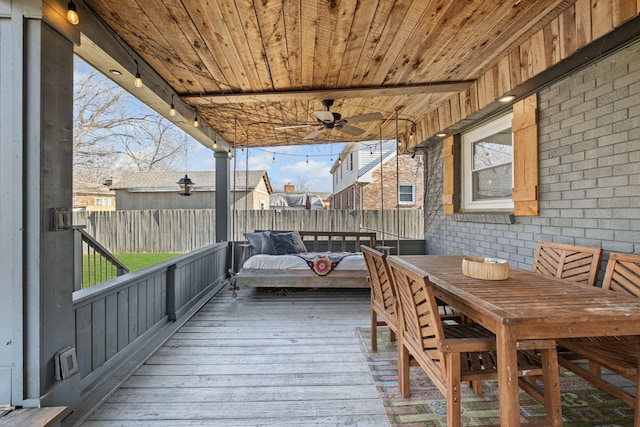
(508, 378)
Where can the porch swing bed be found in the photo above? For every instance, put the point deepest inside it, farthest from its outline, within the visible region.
(320, 260)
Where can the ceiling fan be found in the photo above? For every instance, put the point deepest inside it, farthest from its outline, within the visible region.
(330, 120)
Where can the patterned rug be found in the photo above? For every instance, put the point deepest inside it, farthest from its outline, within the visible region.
(582, 405)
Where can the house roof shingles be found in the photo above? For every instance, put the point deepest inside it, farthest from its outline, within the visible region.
(203, 181)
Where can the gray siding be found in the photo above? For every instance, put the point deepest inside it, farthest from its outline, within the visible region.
(589, 160)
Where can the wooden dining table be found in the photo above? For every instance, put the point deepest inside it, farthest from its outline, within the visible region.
(528, 306)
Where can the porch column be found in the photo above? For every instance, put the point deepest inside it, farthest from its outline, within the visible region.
(223, 197)
(36, 118)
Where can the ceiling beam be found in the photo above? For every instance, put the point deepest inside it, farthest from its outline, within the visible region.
(298, 95)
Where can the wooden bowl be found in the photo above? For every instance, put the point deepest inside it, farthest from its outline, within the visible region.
(485, 268)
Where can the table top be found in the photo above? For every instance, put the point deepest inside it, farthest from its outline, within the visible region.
(535, 305)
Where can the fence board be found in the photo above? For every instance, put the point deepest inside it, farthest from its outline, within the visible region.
(186, 230)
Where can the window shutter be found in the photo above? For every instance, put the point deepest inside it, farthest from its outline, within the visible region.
(525, 157)
(448, 177)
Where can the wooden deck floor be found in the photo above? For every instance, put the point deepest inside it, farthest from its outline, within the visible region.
(262, 360)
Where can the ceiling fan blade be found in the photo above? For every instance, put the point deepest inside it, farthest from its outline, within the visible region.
(314, 133)
(295, 126)
(351, 130)
(369, 117)
(324, 116)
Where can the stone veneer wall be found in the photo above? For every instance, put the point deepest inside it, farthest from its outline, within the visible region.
(589, 160)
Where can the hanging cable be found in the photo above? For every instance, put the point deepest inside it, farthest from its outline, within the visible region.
(381, 188)
(397, 186)
(232, 270)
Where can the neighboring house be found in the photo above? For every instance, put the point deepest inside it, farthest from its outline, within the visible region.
(159, 190)
(368, 176)
(289, 199)
(90, 196)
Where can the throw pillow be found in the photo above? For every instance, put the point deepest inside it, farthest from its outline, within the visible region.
(267, 249)
(297, 240)
(283, 244)
(255, 240)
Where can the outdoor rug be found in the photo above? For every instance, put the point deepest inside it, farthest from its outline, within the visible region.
(582, 405)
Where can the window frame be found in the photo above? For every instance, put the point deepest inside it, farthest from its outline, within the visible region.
(413, 193)
(468, 139)
(102, 201)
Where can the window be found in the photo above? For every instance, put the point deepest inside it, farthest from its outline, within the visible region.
(487, 166)
(407, 194)
(351, 161)
(103, 201)
(262, 204)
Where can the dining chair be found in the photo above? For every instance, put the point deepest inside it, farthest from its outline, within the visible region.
(578, 264)
(621, 355)
(383, 294)
(451, 354)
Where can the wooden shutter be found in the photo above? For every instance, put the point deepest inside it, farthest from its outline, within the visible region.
(448, 175)
(525, 157)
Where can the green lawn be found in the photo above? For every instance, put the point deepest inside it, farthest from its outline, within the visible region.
(136, 262)
(132, 261)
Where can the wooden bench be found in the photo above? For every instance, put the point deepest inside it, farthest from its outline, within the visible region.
(34, 417)
(315, 241)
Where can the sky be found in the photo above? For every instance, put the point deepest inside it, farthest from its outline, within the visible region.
(305, 164)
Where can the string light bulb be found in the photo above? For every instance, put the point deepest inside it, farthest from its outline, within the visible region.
(72, 13)
(138, 80)
(307, 159)
(195, 122)
(215, 142)
(172, 110)
(229, 153)
(273, 159)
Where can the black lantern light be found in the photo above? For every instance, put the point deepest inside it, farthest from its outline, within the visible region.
(185, 186)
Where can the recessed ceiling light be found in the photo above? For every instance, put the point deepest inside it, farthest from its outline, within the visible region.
(506, 98)
(116, 72)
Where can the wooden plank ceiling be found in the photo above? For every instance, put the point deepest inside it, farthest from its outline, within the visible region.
(251, 66)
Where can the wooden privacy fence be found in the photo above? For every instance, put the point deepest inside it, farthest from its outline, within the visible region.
(185, 230)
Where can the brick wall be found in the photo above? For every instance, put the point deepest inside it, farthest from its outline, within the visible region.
(589, 160)
(411, 172)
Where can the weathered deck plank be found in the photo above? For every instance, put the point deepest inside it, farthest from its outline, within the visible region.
(260, 359)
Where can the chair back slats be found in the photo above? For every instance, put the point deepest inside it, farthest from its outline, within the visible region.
(383, 293)
(579, 264)
(623, 274)
(419, 316)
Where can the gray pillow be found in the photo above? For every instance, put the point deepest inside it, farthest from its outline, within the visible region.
(283, 244)
(297, 240)
(255, 240)
(266, 248)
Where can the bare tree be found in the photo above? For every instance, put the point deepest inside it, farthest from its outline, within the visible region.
(113, 132)
(302, 184)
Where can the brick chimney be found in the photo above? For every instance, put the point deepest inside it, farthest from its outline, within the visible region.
(289, 188)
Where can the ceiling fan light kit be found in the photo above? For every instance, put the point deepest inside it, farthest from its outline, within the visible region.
(328, 120)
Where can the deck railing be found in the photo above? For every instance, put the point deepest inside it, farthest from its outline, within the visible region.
(95, 264)
(116, 318)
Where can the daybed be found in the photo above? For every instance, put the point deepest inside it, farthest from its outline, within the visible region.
(291, 270)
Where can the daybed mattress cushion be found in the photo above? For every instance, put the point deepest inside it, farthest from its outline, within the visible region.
(293, 262)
